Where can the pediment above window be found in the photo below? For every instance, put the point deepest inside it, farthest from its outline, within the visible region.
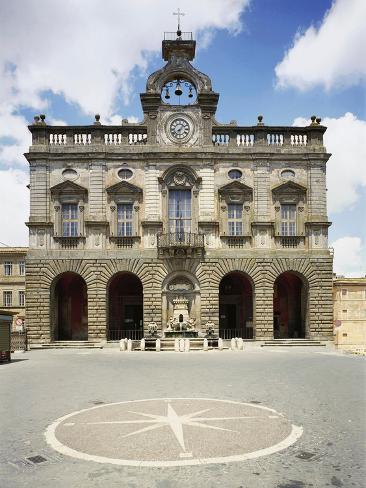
(68, 187)
(124, 188)
(290, 187)
(236, 192)
(235, 187)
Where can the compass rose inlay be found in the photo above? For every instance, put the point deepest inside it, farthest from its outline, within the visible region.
(172, 432)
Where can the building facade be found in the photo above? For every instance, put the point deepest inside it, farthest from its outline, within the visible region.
(349, 296)
(12, 283)
(131, 223)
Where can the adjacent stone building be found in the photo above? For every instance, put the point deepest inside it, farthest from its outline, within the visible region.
(12, 283)
(350, 313)
(129, 222)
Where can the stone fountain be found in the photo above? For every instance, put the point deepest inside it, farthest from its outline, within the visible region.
(180, 324)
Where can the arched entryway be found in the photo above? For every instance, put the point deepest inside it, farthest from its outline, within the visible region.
(125, 307)
(289, 306)
(70, 302)
(236, 306)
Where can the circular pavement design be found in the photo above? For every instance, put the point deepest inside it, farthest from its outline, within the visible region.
(172, 432)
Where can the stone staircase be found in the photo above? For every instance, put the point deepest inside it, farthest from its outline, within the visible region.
(69, 345)
(168, 344)
(293, 343)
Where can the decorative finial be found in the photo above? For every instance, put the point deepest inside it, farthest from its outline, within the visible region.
(260, 118)
(179, 14)
(43, 119)
(313, 118)
(97, 119)
(318, 120)
(36, 119)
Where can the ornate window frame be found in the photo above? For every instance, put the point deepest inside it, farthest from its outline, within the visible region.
(68, 192)
(180, 178)
(120, 193)
(289, 193)
(239, 193)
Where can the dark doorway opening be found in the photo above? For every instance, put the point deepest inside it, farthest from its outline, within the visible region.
(125, 318)
(236, 306)
(289, 307)
(71, 303)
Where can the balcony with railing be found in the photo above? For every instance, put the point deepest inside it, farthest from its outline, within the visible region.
(180, 244)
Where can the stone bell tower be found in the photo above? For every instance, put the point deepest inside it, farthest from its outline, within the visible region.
(183, 124)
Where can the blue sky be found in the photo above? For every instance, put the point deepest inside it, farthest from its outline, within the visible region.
(284, 59)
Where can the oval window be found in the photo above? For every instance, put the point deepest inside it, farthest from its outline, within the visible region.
(125, 174)
(69, 174)
(235, 174)
(288, 174)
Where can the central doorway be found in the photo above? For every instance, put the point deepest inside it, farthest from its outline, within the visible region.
(125, 303)
(236, 306)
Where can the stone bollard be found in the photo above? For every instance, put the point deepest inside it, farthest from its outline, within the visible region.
(240, 344)
(233, 344)
(205, 344)
(142, 345)
(181, 345)
(220, 344)
(122, 345)
(186, 345)
(176, 345)
(129, 345)
(157, 345)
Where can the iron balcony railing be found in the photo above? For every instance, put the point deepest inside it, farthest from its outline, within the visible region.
(180, 239)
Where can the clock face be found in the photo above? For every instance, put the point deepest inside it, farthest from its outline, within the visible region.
(179, 128)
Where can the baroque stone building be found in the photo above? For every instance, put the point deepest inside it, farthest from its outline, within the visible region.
(130, 223)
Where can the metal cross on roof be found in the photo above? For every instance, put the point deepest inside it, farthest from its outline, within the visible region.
(179, 14)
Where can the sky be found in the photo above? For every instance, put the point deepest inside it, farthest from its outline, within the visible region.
(284, 59)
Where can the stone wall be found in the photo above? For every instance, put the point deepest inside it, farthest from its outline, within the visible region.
(42, 274)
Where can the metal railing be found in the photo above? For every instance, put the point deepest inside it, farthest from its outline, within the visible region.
(172, 36)
(244, 333)
(118, 334)
(180, 239)
(18, 341)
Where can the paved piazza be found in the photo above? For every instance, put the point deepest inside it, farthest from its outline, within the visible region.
(172, 432)
(278, 418)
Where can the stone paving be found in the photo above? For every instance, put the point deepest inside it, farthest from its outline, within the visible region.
(259, 418)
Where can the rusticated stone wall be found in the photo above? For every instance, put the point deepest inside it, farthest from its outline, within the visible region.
(42, 274)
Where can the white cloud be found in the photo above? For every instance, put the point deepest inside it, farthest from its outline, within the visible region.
(14, 207)
(348, 257)
(85, 51)
(346, 170)
(333, 55)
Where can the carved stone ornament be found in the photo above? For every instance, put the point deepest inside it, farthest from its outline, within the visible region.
(57, 208)
(180, 178)
(301, 209)
(277, 208)
(113, 208)
(247, 208)
(180, 284)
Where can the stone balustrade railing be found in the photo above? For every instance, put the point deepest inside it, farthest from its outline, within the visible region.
(268, 136)
(88, 135)
(137, 134)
